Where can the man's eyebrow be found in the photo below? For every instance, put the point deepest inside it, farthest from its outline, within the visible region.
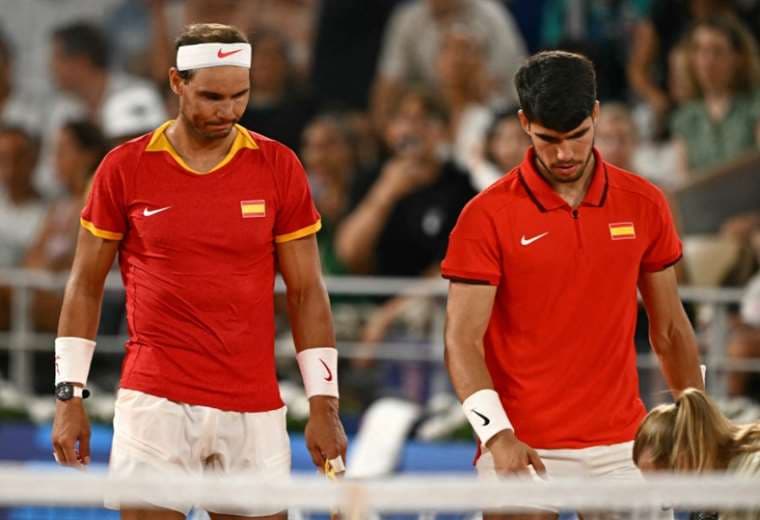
(554, 139)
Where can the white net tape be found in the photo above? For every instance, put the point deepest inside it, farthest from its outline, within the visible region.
(441, 493)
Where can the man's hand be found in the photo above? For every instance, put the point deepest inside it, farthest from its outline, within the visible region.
(325, 438)
(404, 175)
(510, 456)
(71, 426)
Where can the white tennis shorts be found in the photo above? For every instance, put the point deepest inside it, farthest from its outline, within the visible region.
(153, 435)
(614, 461)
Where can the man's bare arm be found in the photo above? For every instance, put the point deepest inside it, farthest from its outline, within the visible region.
(311, 322)
(468, 312)
(670, 332)
(308, 302)
(80, 313)
(79, 318)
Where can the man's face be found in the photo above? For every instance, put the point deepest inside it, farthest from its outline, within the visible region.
(616, 140)
(66, 70)
(412, 131)
(213, 100)
(562, 156)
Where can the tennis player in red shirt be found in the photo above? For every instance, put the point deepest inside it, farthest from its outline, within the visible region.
(202, 213)
(543, 268)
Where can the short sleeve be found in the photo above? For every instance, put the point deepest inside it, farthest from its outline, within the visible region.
(105, 214)
(473, 252)
(664, 248)
(296, 215)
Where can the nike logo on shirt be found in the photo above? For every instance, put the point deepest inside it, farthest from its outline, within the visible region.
(486, 420)
(528, 241)
(150, 212)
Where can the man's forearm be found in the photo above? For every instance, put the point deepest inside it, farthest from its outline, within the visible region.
(467, 369)
(358, 235)
(80, 313)
(310, 317)
(679, 358)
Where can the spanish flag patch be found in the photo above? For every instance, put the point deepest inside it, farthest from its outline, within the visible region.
(253, 208)
(622, 231)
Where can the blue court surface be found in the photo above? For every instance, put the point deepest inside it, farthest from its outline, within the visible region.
(30, 445)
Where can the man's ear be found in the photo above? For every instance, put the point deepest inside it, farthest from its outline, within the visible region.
(175, 81)
(595, 112)
(524, 121)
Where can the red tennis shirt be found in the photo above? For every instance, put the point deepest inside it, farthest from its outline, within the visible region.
(559, 344)
(197, 260)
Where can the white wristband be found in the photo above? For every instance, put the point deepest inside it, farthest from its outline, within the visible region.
(72, 360)
(319, 370)
(486, 414)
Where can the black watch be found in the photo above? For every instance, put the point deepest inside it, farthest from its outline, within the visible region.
(67, 391)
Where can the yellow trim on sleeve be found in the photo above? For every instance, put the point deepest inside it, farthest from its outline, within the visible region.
(100, 233)
(308, 230)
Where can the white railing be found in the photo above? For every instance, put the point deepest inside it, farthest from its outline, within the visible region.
(21, 340)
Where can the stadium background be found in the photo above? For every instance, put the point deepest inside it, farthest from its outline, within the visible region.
(348, 85)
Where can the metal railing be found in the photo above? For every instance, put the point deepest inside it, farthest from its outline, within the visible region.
(21, 340)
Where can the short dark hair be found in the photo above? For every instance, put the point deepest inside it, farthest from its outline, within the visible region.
(84, 39)
(557, 89)
(207, 33)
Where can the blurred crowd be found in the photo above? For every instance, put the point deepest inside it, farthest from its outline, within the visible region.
(400, 110)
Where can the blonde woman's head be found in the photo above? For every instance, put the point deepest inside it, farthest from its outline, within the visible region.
(691, 435)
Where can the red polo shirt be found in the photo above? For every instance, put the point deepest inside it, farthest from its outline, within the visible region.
(197, 257)
(559, 345)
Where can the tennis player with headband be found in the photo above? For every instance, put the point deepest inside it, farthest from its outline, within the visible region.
(202, 213)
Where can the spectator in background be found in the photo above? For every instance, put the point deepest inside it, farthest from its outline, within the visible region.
(616, 136)
(463, 81)
(277, 107)
(79, 148)
(401, 224)
(80, 68)
(599, 29)
(654, 37)
(15, 109)
(502, 149)
(412, 41)
(744, 346)
(722, 122)
(329, 155)
(21, 209)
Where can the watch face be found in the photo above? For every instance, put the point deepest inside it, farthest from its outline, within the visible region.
(64, 391)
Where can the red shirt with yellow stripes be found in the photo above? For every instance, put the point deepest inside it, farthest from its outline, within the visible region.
(197, 259)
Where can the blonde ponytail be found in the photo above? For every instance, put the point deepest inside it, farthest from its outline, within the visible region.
(702, 436)
(692, 435)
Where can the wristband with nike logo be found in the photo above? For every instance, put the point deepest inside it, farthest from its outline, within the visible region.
(486, 414)
(319, 370)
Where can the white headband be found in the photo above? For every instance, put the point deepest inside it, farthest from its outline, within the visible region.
(204, 55)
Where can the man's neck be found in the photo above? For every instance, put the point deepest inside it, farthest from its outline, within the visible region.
(200, 153)
(574, 192)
